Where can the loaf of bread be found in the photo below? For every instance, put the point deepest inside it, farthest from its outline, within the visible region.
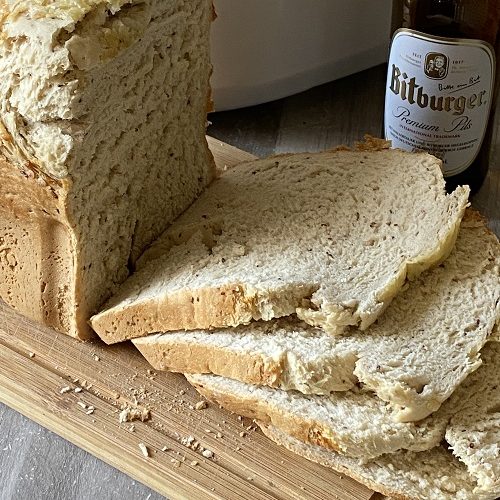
(414, 356)
(102, 138)
(330, 236)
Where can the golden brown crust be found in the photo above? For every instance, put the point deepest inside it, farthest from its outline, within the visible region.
(194, 358)
(184, 310)
(37, 253)
(310, 455)
(301, 429)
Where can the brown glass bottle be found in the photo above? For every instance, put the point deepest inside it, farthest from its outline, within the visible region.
(448, 22)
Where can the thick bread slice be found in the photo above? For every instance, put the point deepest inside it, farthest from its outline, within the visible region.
(415, 356)
(102, 144)
(354, 423)
(429, 475)
(474, 433)
(330, 236)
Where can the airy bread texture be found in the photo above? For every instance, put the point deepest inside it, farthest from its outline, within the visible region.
(330, 236)
(415, 355)
(102, 132)
(470, 416)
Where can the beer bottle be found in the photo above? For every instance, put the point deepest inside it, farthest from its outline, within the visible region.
(441, 85)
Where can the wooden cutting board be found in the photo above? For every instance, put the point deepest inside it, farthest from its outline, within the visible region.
(40, 370)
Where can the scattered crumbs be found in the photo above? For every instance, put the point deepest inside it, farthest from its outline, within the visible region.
(194, 463)
(78, 389)
(207, 453)
(31, 354)
(129, 414)
(66, 389)
(188, 441)
(175, 462)
(82, 405)
(201, 405)
(243, 434)
(96, 358)
(144, 449)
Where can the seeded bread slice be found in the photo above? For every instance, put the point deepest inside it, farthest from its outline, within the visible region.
(330, 236)
(474, 433)
(430, 475)
(415, 356)
(354, 423)
(355, 426)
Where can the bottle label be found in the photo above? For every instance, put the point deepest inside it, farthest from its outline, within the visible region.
(438, 96)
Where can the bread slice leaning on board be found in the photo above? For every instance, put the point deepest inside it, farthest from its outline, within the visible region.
(103, 109)
(329, 236)
(428, 472)
(415, 355)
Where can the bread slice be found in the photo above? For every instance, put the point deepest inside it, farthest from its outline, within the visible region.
(415, 356)
(330, 236)
(102, 144)
(354, 423)
(406, 475)
(474, 433)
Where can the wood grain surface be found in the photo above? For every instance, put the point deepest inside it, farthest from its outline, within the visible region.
(77, 390)
(37, 464)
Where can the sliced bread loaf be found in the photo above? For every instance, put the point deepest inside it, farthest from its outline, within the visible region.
(415, 356)
(429, 475)
(330, 236)
(102, 139)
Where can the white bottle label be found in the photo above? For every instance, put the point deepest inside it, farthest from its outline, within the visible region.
(438, 96)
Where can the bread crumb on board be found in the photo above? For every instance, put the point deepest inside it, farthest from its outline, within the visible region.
(144, 449)
(201, 405)
(130, 414)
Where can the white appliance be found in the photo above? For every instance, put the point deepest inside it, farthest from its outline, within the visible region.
(267, 49)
